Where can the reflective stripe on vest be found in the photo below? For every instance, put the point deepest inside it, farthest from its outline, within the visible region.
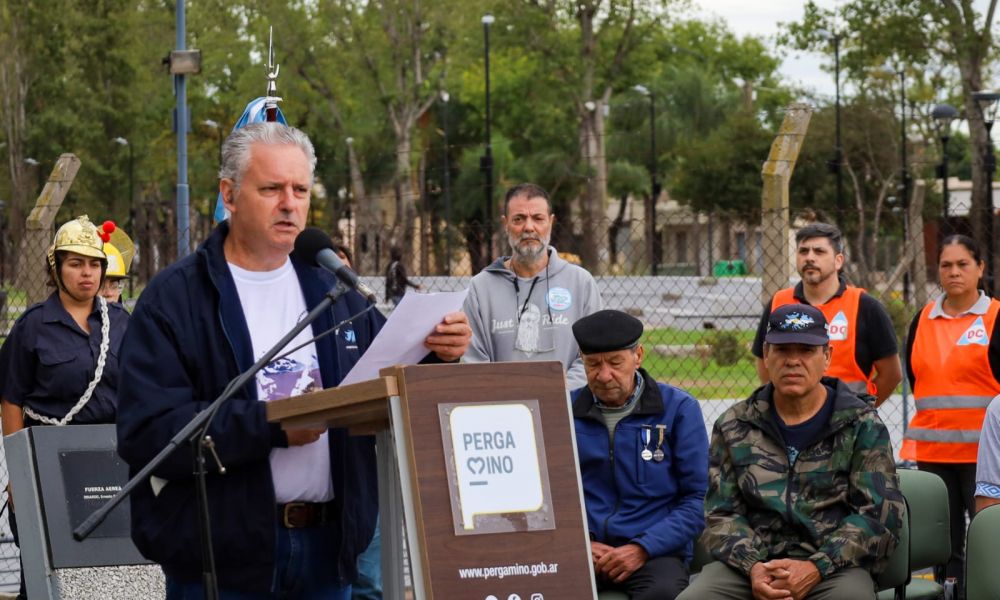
(953, 402)
(844, 363)
(953, 386)
(962, 436)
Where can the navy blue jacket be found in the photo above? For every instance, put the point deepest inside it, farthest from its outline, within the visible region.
(48, 361)
(186, 340)
(658, 505)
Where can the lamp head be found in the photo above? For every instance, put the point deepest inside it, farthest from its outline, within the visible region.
(943, 115)
(987, 101)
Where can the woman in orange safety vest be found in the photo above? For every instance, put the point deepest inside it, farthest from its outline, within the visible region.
(953, 362)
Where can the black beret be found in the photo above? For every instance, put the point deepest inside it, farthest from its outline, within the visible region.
(607, 331)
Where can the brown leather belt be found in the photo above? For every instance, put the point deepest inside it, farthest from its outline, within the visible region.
(295, 515)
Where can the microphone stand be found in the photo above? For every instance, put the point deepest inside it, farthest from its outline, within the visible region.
(195, 433)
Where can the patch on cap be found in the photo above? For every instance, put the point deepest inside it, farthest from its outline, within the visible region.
(797, 324)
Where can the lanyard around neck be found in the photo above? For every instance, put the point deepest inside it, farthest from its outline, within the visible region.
(517, 292)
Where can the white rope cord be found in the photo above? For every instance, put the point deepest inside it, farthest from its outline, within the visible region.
(101, 359)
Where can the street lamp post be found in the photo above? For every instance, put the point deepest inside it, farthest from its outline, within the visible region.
(447, 179)
(486, 162)
(838, 151)
(654, 189)
(943, 115)
(904, 177)
(987, 102)
(131, 197)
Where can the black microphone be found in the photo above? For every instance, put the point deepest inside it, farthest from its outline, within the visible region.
(315, 248)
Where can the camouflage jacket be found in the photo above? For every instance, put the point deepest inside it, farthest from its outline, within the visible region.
(840, 506)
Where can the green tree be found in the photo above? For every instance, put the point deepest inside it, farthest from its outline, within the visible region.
(923, 38)
(721, 172)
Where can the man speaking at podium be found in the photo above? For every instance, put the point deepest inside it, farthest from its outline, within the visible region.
(293, 509)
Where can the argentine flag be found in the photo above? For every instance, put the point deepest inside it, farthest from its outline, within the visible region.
(253, 113)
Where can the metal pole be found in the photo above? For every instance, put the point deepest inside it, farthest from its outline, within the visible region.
(655, 185)
(447, 187)
(991, 166)
(131, 210)
(904, 184)
(944, 185)
(486, 163)
(838, 156)
(183, 190)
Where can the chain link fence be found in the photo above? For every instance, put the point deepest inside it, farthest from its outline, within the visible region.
(702, 306)
(697, 283)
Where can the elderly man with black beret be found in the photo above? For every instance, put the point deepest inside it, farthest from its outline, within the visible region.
(644, 460)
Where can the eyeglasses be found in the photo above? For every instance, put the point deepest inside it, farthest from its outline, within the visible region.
(115, 284)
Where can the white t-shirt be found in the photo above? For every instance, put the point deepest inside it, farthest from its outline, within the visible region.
(272, 304)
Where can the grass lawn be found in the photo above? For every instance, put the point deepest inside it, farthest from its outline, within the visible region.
(701, 376)
(680, 336)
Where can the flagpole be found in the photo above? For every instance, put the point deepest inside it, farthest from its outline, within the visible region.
(183, 189)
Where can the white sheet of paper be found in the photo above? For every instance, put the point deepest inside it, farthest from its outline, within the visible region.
(401, 341)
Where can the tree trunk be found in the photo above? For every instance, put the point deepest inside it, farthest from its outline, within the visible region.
(613, 230)
(366, 216)
(863, 268)
(406, 206)
(971, 47)
(425, 216)
(593, 201)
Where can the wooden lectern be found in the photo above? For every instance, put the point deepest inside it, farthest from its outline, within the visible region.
(457, 446)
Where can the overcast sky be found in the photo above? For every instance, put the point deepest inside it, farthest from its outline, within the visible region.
(761, 18)
(746, 17)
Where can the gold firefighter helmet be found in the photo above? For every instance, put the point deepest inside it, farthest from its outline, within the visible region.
(79, 236)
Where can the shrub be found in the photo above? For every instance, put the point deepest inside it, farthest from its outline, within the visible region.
(727, 350)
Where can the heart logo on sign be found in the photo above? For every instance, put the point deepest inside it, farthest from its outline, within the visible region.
(476, 465)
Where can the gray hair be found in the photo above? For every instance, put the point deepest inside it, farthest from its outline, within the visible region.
(236, 149)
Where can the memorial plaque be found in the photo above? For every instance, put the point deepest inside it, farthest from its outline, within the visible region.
(91, 478)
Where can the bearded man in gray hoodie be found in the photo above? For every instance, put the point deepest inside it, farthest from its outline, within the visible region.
(523, 306)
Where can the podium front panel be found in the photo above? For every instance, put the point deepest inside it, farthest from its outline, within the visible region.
(537, 550)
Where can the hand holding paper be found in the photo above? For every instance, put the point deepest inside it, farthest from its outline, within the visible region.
(420, 322)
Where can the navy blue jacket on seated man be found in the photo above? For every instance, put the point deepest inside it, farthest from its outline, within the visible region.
(643, 454)
(293, 509)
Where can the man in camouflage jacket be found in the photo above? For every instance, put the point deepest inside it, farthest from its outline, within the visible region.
(803, 498)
